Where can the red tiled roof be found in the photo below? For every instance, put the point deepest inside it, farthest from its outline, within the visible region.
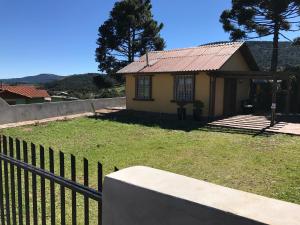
(27, 91)
(202, 58)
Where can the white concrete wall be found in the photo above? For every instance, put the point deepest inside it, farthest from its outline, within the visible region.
(146, 196)
(38, 111)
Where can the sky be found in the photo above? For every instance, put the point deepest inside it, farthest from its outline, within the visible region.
(59, 36)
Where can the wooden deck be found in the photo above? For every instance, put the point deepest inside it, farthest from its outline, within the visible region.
(257, 123)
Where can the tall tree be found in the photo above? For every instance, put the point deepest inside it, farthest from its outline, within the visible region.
(129, 32)
(296, 41)
(263, 18)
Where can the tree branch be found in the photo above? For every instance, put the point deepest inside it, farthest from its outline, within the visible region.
(285, 37)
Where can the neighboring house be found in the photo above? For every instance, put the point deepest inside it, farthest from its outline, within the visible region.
(219, 75)
(22, 94)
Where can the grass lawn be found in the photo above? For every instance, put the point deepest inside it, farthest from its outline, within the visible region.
(266, 165)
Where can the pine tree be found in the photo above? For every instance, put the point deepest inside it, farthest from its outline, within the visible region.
(129, 32)
(258, 18)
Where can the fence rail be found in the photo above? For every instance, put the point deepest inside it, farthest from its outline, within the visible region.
(24, 194)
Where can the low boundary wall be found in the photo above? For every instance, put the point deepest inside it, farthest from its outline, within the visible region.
(145, 196)
(22, 113)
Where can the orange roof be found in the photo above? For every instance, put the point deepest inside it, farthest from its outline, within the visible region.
(27, 91)
(202, 58)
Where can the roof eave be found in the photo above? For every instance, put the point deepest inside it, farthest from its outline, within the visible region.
(168, 72)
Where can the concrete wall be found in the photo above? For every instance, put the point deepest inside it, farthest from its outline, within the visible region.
(20, 113)
(146, 196)
(3, 104)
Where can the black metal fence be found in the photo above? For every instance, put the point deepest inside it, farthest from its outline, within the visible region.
(31, 194)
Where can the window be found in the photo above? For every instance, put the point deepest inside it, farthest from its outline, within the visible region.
(143, 87)
(184, 88)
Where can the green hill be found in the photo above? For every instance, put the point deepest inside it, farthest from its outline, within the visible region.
(289, 56)
(82, 82)
(83, 86)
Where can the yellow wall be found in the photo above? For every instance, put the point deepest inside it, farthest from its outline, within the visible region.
(162, 90)
(162, 93)
(202, 89)
(236, 63)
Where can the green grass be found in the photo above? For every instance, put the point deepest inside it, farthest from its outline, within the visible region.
(262, 164)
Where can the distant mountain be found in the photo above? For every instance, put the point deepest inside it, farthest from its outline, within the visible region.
(83, 86)
(79, 82)
(38, 79)
(78, 85)
(289, 55)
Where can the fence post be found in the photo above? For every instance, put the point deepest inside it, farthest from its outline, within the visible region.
(26, 184)
(86, 183)
(34, 190)
(19, 180)
(74, 202)
(1, 185)
(6, 180)
(43, 192)
(62, 189)
(12, 183)
(100, 188)
(52, 187)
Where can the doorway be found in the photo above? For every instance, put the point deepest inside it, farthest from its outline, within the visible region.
(230, 89)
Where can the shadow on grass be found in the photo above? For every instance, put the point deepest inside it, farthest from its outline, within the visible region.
(171, 122)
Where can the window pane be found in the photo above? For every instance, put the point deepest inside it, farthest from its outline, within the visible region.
(147, 92)
(184, 88)
(143, 89)
(147, 81)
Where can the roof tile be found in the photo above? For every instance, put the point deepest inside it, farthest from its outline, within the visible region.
(27, 91)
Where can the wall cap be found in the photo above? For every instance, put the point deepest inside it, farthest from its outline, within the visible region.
(247, 205)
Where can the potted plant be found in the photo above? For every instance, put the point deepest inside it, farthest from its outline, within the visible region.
(181, 111)
(197, 110)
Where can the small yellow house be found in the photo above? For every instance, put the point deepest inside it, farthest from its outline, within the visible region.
(216, 74)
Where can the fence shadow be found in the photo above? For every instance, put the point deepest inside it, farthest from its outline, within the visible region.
(171, 122)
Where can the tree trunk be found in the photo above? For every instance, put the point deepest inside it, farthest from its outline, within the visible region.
(133, 45)
(274, 62)
(129, 46)
(274, 65)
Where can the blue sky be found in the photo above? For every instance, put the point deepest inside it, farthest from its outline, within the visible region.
(59, 36)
